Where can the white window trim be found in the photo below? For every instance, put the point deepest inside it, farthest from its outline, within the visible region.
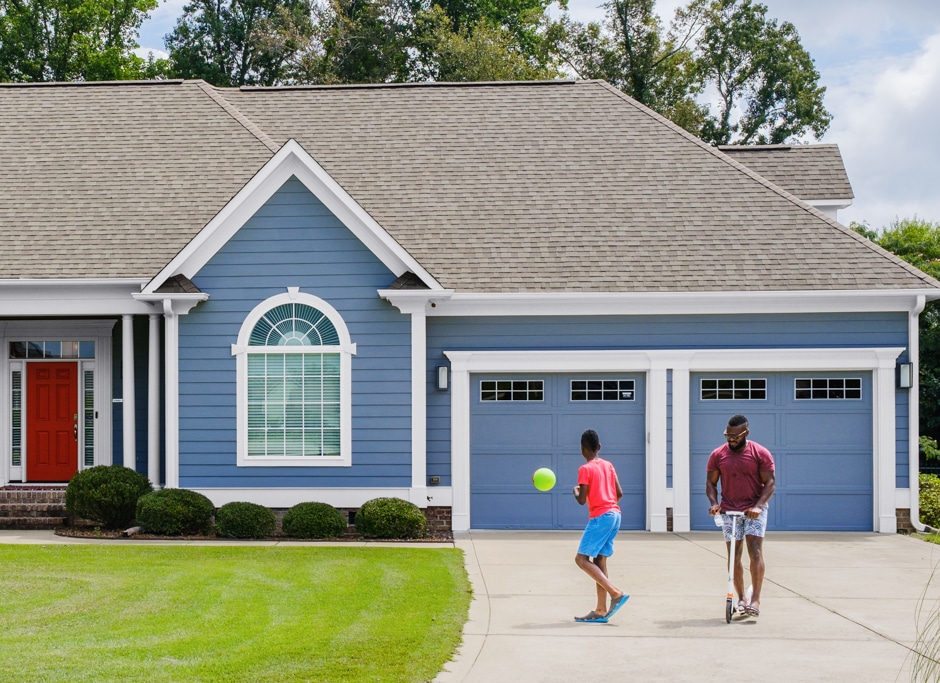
(346, 350)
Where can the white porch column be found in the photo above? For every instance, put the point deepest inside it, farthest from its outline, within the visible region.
(172, 389)
(153, 403)
(419, 409)
(656, 396)
(128, 403)
(886, 521)
(681, 475)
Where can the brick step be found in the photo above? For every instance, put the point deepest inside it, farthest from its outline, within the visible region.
(28, 523)
(32, 510)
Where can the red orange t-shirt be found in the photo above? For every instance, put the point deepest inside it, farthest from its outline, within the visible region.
(601, 479)
(741, 485)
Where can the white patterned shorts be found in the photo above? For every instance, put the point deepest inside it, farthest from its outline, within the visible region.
(750, 527)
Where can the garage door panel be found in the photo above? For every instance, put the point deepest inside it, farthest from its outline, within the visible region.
(834, 510)
(532, 509)
(511, 439)
(822, 449)
(825, 429)
(492, 429)
(840, 469)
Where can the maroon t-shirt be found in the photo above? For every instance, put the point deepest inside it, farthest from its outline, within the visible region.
(741, 485)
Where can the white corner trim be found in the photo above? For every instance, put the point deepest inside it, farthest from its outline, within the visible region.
(290, 161)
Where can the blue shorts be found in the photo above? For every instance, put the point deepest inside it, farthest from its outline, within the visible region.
(750, 527)
(598, 536)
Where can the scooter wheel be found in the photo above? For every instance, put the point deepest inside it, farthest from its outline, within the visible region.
(729, 609)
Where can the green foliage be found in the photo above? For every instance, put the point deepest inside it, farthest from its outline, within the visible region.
(930, 500)
(106, 494)
(929, 448)
(70, 40)
(239, 42)
(760, 68)
(313, 520)
(175, 512)
(245, 520)
(390, 518)
(757, 68)
(918, 242)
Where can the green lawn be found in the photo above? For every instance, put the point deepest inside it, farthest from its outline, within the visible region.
(228, 613)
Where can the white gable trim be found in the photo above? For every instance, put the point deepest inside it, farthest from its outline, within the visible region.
(290, 161)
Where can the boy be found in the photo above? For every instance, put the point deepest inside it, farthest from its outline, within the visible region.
(599, 487)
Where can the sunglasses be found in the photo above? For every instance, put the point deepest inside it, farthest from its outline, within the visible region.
(735, 437)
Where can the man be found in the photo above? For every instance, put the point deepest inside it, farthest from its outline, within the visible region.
(746, 472)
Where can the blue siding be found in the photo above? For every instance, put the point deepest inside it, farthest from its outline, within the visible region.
(649, 332)
(294, 241)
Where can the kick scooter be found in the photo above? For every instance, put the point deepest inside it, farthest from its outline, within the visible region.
(729, 603)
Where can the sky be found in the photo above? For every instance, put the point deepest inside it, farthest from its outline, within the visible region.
(880, 63)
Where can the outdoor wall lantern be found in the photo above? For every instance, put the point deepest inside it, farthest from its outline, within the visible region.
(442, 378)
(905, 375)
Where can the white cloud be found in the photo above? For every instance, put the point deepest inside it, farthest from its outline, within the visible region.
(885, 118)
(161, 21)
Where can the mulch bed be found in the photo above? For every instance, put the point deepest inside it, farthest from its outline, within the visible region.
(92, 532)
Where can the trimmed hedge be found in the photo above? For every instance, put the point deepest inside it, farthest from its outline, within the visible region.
(930, 500)
(245, 520)
(391, 518)
(106, 494)
(175, 512)
(313, 520)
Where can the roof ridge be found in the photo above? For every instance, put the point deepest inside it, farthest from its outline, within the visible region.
(89, 84)
(236, 114)
(416, 84)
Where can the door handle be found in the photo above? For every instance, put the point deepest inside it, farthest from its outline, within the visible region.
(75, 431)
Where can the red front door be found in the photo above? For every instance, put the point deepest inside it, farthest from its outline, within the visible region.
(51, 421)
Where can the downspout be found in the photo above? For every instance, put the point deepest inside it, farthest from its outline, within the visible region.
(913, 418)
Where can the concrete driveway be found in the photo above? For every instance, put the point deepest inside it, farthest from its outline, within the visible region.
(835, 607)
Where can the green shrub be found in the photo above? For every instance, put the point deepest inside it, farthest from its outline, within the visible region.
(106, 494)
(391, 518)
(313, 520)
(174, 512)
(930, 500)
(245, 520)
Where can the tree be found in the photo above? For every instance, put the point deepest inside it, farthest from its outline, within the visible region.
(239, 42)
(71, 40)
(762, 69)
(723, 49)
(918, 242)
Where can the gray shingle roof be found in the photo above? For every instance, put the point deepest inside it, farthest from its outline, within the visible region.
(523, 187)
(807, 171)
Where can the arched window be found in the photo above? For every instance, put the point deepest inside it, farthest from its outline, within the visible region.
(293, 361)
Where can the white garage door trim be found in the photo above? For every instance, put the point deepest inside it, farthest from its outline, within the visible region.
(880, 361)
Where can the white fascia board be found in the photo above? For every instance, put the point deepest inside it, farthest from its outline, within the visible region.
(290, 161)
(72, 296)
(677, 303)
(415, 300)
(830, 203)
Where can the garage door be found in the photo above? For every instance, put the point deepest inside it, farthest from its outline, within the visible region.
(522, 422)
(818, 427)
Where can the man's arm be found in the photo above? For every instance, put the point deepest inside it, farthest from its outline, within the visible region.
(711, 490)
(770, 483)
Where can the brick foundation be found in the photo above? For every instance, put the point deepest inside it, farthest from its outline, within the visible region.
(905, 526)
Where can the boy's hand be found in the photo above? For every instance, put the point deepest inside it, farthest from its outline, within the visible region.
(576, 490)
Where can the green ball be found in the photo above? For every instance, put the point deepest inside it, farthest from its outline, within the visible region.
(543, 479)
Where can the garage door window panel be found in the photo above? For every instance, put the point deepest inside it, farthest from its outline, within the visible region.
(827, 389)
(734, 389)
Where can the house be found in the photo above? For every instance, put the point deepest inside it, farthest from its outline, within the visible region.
(429, 291)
